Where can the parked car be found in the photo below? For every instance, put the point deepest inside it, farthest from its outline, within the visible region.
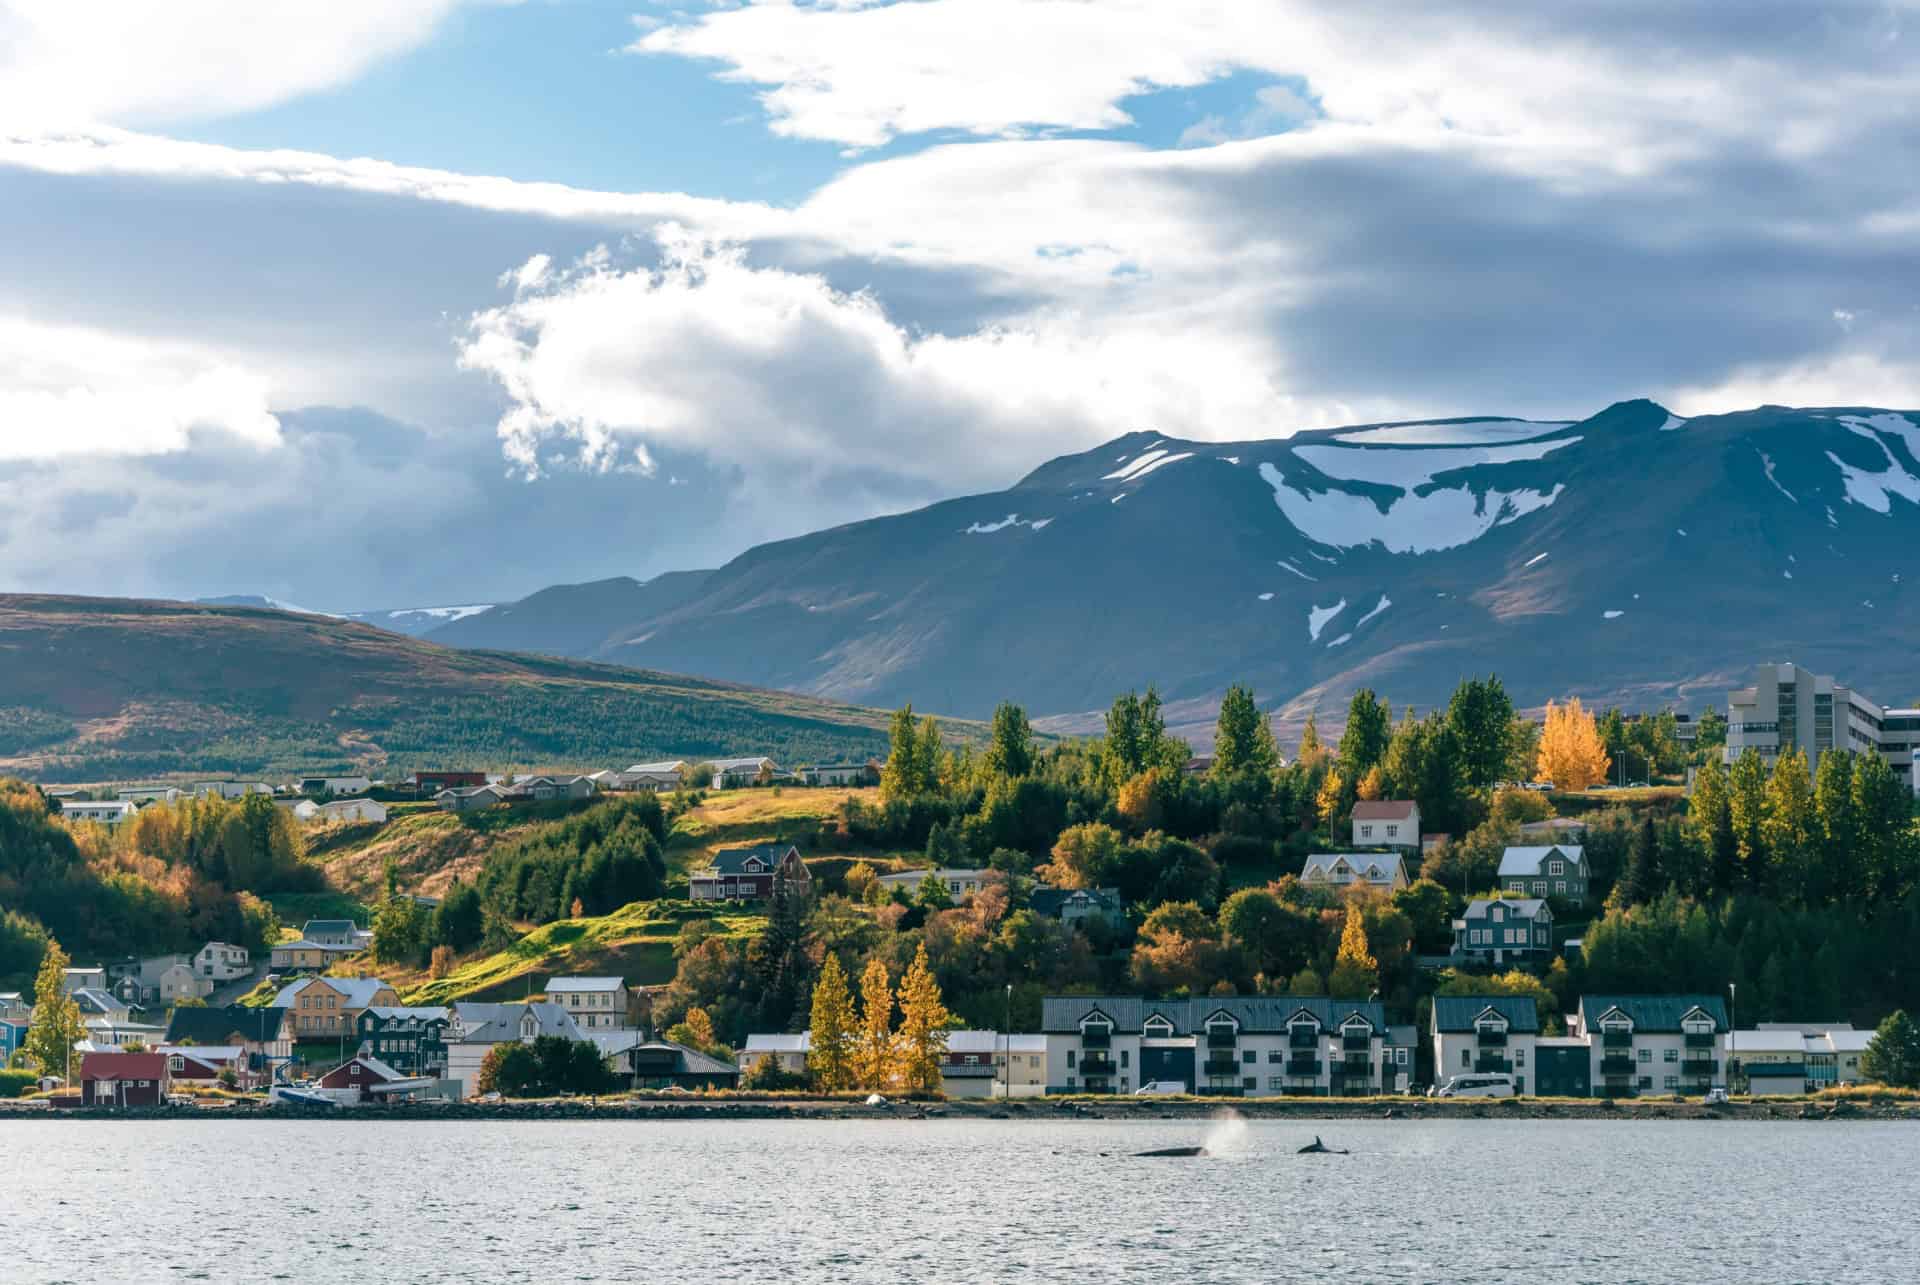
(1716, 1097)
(1160, 1088)
(1493, 1084)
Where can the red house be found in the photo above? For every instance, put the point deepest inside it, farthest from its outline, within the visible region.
(123, 1079)
(748, 874)
(370, 1077)
(427, 784)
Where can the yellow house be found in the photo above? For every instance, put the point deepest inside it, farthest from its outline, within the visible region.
(327, 1007)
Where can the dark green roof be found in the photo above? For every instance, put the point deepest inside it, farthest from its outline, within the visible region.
(1456, 1013)
(217, 1025)
(1061, 1014)
(1765, 1070)
(1652, 1014)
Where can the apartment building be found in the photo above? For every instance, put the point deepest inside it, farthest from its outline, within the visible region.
(1485, 1033)
(1652, 1043)
(1790, 708)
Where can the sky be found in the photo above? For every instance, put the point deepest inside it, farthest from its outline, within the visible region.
(392, 303)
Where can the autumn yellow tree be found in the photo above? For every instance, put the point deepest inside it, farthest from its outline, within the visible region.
(830, 1054)
(1373, 785)
(1332, 799)
(695, 1030)
(1572, 755)
(1355, 971)
(874, 1054)
(923, 1027)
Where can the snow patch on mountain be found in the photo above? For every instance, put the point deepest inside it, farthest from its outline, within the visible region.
(1535, 559)
(1673, 422)
(1297, 571)
(1341, 640)
(438, 613)
(1410, 470)
(1011, 520)
(1766, 462)
(1468, 434)
(1267, 597)
(1379, 607)
(1145, 464)
(1444, 518)
(1613, 615)
(1870, 489)
(1317, 618)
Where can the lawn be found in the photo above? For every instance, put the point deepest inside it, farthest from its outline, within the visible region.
(742, 818)
(295, 908)
(634, 942)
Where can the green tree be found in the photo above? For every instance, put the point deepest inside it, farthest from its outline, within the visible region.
(695, 1030)
(1137, 740)
(1084, 857)
(1834, 874)
(1642, 881)
(400, 931)
(1010, 745)
(1893, 1056)
(830, 1052)
(932, 893)
(1882, 808)
(1277, 937)
(1429, 909)
(1364, 741)
(1710, 817)
(460, 921)
(1790, 825)
(766, 1075)
(57, 1025)
(903, 776)
(1243, 738)
(1480, 716)
(1747, 812)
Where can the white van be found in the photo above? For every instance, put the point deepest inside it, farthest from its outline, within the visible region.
(1160, 1088)
(1493, 1084)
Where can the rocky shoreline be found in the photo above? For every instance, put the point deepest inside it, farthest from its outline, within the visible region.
(1035, 1109)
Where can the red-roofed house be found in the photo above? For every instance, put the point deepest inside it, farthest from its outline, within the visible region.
(1386, 823)
(123, 1079)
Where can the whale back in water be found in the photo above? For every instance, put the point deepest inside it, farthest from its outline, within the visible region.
(1319, 1148)
(1165, 1152)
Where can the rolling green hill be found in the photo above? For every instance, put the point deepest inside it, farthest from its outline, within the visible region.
(95, 689)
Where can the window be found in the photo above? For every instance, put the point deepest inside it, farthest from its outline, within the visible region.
(1123, 1057)
(1645, 1081)
(1466, 1057)
(1069, 1081)
(1069, 1064)
(1392, 831)
(1276, 1082)
(176, 1064)
(1519, 1057)
(1273, 1055)
(1560, 887)
(1646, 1055)
(1540, 886)
(1670, 1055)
(1248, 1057)
(1400, 1056)
(1366, 832)
(1673, 1082)
(1249, 1082)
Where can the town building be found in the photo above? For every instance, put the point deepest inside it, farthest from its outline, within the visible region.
(107, 814)
(220, 961)
(469, 798)
(1496, 931)
(363, 1078)
(1652, 1043)
(202, 1065)
(548, 789)
(307, 956)
(594, 1003)
(789, 1052)
(749, 874)
(1485, 1033)
(1073, 905)
(158, 979)
(361, 810)
(230, 789)
(640, 1061)
(1386, 823)
(410, 1039)
(428, 785)
(138, 794)
(264, 1032)
(13, 1036)
(334, 784)
(846, 774)
(1556, 870)
(733, 774)
(1790, 708)
(74, 980)
(669, 775)
(1563, 1067)
(329, 1007)
(1385, 871)
(123, 1080)
(1221, 1046)
(958, 883)
(1767, 1063)
(473, 1028)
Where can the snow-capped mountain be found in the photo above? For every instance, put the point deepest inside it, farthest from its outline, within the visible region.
(412, 621)
(1633, 556)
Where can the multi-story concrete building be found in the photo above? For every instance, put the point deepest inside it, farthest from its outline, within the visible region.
(1652, 1043)
(1790, 708)
(594, 1003)
(1485, 1033)
(1222, 1046)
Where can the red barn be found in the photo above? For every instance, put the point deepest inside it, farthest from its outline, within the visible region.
(123, 1079)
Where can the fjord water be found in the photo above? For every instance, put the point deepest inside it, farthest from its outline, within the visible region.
(974, 1201)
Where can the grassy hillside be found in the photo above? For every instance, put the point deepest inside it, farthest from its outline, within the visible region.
(95, 689)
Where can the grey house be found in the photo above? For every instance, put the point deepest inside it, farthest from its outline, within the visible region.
(1496, 931)
(1556, 870)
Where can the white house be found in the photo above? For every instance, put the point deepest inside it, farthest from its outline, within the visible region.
(148, 794)
(108, 814)
(1386, 823)
(1652, 1043)
(669, 775)
(594, 1003)
(731, 774)
(353, 810)
(231, 789)
(840, 774)
(334, 784)
(222, 961)
(474, 1028)
(1386, 871)
(305, 811)
(1483, 1033)
(959, 883)
(789, 1052)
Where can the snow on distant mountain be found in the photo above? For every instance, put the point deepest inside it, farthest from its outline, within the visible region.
(1397, 556)
(417, 621)
(258, 600)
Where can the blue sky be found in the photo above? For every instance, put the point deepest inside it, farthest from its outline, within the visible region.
(649, 285)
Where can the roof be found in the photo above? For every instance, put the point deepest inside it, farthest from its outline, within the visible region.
(1403, 1035)
(1384, 810)
(1526, 859)
(730, 861)
(1050, 901)
(692, 1061)
(123, 1066)
(574, 985)
(938, 872)
(360, 992)
(1847, 1041)
(676, 765)
(1769, 1041)
(313, 926)
(1374, 867)
(217, 1025)
(779, 1043)
(348, 948)
(1062, 1013)
(549, 1019)
(994, 1042)
(209, 1053)
(1528, 907)
(401, 1012)
(1652, 1013)
(91, 999)
(1460, 1013)
(374, 1064)
(735, 765)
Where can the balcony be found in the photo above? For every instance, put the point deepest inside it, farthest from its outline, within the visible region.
(1616, 1064)
(1303, 1066)
(1699, 1066)
(1221, 1066)
(1219, 1039)
(1303, 1037)
(1484, 1064)
(1700, 1040)
(1096, 1039)
(1359, 1043)
(1488, 1038)
(1616, 1039)
(1097, 1065)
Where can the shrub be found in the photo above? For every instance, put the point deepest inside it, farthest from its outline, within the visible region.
(15, 1083)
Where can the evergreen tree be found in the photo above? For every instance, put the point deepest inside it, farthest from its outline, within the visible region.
(1710, 817)
(777, 958)
(1369, 729)
(1355, 971)
(1893, 1057)
(830, 1054)
(1833, 876)
(57, 1025)
(926, 756)
(1882, 808)
(874, 1058)
(901, 777)
(1243, 738)
(1311, 750)
(1642, 882)
(1010, 748)
(923, 1027)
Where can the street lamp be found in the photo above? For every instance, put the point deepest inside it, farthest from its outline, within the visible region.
(1006, 1035)
(1733, 1034)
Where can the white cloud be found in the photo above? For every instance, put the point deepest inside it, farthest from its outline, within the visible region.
(128, 61)
(65, 391)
